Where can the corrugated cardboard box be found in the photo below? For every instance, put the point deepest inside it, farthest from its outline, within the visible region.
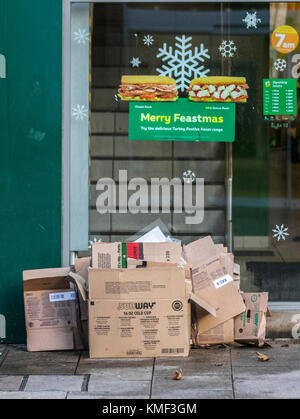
(250, 326)
(212, 282)
(115, 255)
(138, 313)
(50, 310)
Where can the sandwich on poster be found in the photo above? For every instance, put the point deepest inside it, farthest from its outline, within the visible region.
(148, 88)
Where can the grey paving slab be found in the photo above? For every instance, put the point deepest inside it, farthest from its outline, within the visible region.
(20, 362)
(120, 388)
(214, 354)
(200, 361)
(10, 382)
(32, 395)
(84, 395)
(190, 386)
(125, 369)
(283, 385)
(278, 355)
(3, 352)
(54, 382)
(261, 369)
(193, 369)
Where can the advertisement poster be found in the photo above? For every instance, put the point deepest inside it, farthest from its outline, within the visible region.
(182, 120)
(280, 96)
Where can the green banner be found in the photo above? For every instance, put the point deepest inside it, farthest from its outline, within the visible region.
(280, 96)
(182, 120)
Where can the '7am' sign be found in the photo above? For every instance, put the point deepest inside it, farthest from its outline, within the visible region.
(182, 120)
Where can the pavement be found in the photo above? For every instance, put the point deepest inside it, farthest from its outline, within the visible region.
(224, 372)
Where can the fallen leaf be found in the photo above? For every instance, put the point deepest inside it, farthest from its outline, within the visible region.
(262, 357)
(178, 375)
(219, 364)
(285, 345)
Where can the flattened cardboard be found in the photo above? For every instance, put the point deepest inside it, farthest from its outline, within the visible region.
(214, 285)
(212, 282)
(250, 326)
(200, 250)
(138, 313)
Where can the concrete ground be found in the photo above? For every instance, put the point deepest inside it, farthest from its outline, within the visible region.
(208, 373)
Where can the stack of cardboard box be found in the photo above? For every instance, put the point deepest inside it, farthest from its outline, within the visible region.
(142, 300)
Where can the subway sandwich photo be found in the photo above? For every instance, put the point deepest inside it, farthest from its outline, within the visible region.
(148, 88)
(218, 89)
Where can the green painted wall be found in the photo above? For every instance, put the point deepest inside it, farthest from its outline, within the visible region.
(30, 151)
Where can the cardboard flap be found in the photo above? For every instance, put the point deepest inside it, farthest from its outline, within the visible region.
(82, 266)
(81, 284)
(45, 279)
(120, 284)
(203, 304)
(200, 250)
(256, 301)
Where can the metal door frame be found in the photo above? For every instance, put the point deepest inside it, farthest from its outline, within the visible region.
(68, 254)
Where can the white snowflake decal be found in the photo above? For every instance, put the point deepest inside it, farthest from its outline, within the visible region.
(251, 20)
(227, 48)
(280, 232)
(280, 64)
(148, 40)
(189, 176)
(135, 62)
(81, 36)
(183, 63)
(80, 112)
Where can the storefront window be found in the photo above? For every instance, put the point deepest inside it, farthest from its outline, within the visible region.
(251, 187)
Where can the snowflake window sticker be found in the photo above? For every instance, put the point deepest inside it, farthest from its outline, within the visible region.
(81, 36)
(183, 63)
(280, 64)
(80, 112)
(188, 176)
(227, 48)
(148, 40)
(135, 62)
(251, 20)
(280, 232)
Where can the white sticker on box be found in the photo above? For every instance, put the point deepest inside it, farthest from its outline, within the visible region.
(220, 282)
(62, 296)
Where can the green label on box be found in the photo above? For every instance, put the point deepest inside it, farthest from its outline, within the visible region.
(280, 96)
(182, 120)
